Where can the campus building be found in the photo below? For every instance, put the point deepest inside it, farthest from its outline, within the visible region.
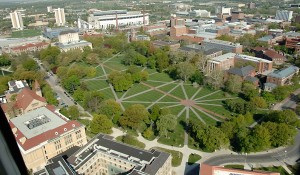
(225, 46)
(284, 15)
(116, 18)
(226, 61)
(218, 170)
(69, 40)
(280, 77)
(104, 156)
(60, 19)
(16, 20)
(43, 133)
(27, 48)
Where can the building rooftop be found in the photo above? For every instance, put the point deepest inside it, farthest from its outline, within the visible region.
(243, 71)
(148, 162)
(15, 86)
(284, 72)
(197, 48)
(67, 32)
(164, 43)
(73, 44)
(223, 57)
(36, 127)
(221, 42)
(36, 122)
(252, 58)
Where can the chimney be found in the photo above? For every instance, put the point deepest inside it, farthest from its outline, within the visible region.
(22, 140)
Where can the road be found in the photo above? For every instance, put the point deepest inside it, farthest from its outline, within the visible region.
(288, 155)
(289, 102)
(64, 97)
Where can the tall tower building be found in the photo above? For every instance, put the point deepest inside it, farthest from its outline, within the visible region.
(60, 16)
(16, 20)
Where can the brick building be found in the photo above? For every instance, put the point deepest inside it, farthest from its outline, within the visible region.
(226, 46)
(27, 48)
(275, 56)
(174, 45)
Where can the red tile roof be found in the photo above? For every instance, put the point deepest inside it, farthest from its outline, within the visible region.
(25, 97)
(273, 54)
(25, 47)
(209, 170)
(50, 134)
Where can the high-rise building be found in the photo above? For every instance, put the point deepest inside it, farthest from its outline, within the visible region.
(49, 9)
(284, 15)
(60, 16)
(16, 20)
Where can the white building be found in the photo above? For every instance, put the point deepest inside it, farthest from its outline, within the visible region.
(223, 10)
(116, 18)
(200, 13)
(49, 9)
(60, 16)
(284, 15)
(69, 40)
(16, 20)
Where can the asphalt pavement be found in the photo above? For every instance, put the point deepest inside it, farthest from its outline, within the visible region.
(288, 155)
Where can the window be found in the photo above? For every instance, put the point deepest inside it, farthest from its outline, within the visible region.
(68, 139)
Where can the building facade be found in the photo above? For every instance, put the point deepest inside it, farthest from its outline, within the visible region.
(284, 15)
(16, 20)
(43, 133)
(104, 156)
(282, 77)
(217, 170)
(69, 40)
(114, 19)
(225, 46)
(27, 48)
(60, 19)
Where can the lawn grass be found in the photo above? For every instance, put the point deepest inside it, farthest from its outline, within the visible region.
(168, 87)
(178, 92)
(190, 90)
(108, 94)
(136, 88)
(150, 71)
(204, 91)
(96, 84)
(99, 71)
(150, 96)
(154, 84)
(217, 109)
(131, 141)
(175, 138)
(176, 155)
(5, 73)
(207, 119)
(116, 66)
(25, 33)
(160, 77)
(280, 170)
(176, 109)
(168, 99)
(234, 166)
(84, 122)
(193, 158)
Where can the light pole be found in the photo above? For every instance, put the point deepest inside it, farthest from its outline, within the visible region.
(284, 156)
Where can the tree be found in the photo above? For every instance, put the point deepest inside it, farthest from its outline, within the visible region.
(249, 90)
(215, 79)
(30, 65)
(110, 108)
(281, 92)
(226, 38)
(198, 77)
(162, 60)
(260, 138)
(185, 70)
(269, 97)
(281, 134)
(92, 100)
(71, 83)
(101, 123)
(148, 133)
(4, 60)
(49, 94)
(297, 110)
(120, 81)
(233, 84)
(259, 102)
(134, 117)
(288, 117)
(73, 112)
(154, 112)
(165, 124)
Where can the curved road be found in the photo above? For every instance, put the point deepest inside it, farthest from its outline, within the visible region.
(288, 155)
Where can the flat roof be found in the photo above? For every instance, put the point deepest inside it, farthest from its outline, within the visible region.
(73, 44)
(251, 58)
(223, 57)
(36, 122)
(223, 42)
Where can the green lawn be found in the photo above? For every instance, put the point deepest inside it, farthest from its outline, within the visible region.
(175, 138)
(204, 91)
(217, 109)
(96, 84)
(160, 77)
(136, 88)
(25, 33)
(235, 166)
(168, 87)
(193, 158)
(150, 96)
(154, 84)
(208, 120)
(176, 155)
(190, 90)
(99, 71)
(168, 99)
(108, 94)
(116, 66)
(132, 141)
(178, 92)
(274, 169)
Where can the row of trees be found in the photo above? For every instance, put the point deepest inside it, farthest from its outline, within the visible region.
(277, 129)
(123, 81)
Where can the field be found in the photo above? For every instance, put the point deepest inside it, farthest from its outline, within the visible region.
(183, 100)
(25, 33)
